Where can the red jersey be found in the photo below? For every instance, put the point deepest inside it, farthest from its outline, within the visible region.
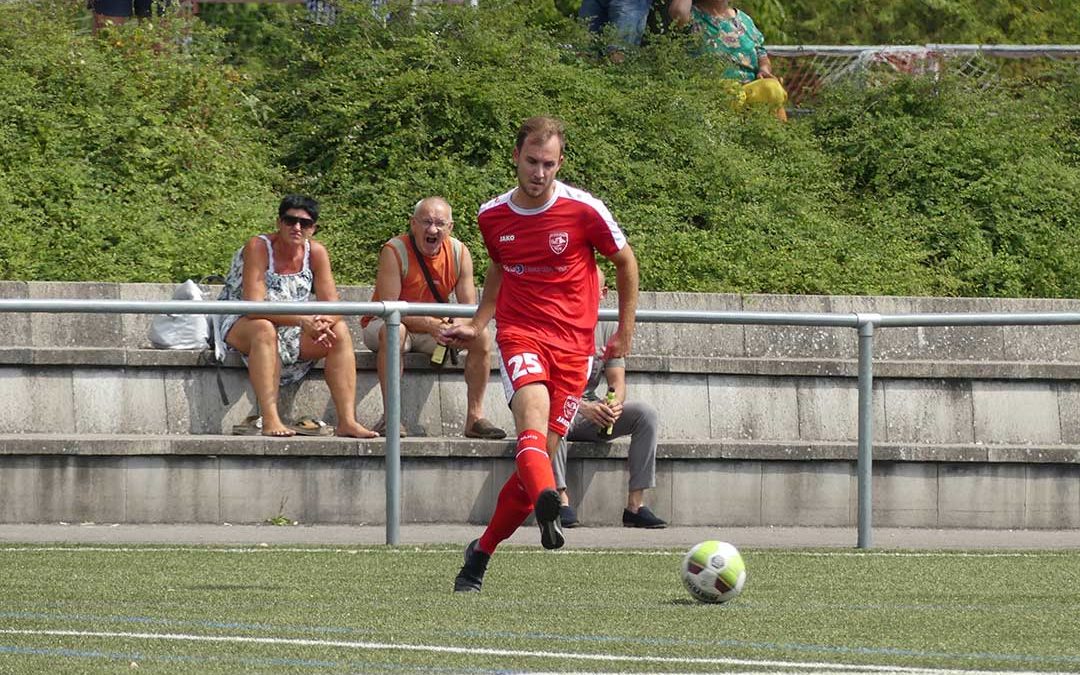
(548, 259)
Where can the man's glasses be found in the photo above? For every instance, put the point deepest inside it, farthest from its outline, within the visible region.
(298, 220)
(441, 224)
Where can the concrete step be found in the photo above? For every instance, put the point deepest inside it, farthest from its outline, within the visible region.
(976, 344)
(147, 478)
(163, 392)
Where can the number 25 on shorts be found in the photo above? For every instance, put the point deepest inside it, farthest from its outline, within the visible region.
(525, 363)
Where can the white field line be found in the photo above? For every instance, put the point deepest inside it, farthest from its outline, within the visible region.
(441, 649)
(286, 548)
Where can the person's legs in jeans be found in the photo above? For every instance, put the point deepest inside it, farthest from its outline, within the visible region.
(641, 419)
(596, 11)
(629, 18)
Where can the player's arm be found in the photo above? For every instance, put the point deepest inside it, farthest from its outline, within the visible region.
(626, 282)
(465, 288)
(492, 282)
(459, 334)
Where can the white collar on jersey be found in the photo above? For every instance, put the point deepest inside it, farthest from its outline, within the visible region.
(521, 211)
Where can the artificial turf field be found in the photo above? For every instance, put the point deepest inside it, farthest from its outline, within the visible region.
(277, 609)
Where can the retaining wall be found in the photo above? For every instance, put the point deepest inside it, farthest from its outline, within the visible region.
(973, 427)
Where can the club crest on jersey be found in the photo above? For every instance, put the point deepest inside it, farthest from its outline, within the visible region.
(558, 241)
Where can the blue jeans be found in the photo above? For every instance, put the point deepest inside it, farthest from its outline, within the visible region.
(627, 16)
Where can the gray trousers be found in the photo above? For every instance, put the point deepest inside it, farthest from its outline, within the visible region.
(638, 421)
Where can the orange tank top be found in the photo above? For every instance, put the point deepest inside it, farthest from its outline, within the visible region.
(445, 268)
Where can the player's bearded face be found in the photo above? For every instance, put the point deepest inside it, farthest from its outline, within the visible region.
(538, 162)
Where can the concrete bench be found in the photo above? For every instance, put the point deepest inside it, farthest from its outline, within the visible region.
(994, 344)
(164, 478)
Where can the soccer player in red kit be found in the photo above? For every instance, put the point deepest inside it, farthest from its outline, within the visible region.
(542, 289)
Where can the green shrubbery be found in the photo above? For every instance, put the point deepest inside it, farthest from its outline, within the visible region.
(139, 165)
(980, 188)
(918, 21)
(123, 157)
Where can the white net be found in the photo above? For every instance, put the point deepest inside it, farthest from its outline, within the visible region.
(807, 69)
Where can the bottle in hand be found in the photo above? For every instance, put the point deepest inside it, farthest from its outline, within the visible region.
(438, 357)
(609, 430)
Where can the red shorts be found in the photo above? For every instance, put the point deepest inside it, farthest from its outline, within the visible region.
(526, 360)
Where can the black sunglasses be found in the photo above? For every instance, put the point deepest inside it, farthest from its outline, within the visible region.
(298, 220)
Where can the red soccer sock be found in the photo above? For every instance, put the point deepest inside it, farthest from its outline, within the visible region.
(534, 464)
(511, 510)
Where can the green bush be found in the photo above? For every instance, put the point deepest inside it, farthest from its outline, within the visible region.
(127, 157)
(376, 116)
(123, 157)
(983, 185)
(920, 21)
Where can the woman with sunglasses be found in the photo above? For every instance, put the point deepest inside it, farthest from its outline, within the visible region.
(279, 349)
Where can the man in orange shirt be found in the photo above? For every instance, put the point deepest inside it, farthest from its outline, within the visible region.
(401, 277)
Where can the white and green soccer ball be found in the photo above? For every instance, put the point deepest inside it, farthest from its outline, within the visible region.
(714, 571)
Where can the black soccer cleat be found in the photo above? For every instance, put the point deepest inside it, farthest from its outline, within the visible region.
(471, 576)
(547, 517)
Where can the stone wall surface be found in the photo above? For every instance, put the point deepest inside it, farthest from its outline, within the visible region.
(978, 343)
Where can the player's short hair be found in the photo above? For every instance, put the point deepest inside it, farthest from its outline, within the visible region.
(543, 128)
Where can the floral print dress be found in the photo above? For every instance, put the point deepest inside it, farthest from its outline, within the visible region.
(736, 39)
(279, 288)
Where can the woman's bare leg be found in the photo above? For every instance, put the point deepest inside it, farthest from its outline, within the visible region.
(339, 370)
(257, 338)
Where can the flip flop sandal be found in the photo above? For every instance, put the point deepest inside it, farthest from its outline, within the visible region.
(482, 428)
(312, 426)
(251, 426)
(380, 428)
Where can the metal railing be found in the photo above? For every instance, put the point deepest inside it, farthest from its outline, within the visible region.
(392, 312)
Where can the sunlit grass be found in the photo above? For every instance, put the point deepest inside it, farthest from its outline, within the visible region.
(281, 609)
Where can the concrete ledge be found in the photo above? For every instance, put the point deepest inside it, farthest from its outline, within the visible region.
(188, 401)
(642, 363)
(1007, 344)
(325, 481)
(106, 445)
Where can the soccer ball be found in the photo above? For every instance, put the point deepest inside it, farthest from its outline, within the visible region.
(714, 571)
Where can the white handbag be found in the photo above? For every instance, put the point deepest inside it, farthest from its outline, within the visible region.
(181, 331)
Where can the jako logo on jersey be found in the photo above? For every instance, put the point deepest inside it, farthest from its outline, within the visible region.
(506, 238)
(558, 241)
